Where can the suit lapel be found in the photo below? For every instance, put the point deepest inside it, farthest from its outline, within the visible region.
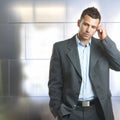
(94, 56)
(73, 55)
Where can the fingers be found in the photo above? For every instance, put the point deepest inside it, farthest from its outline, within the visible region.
(101, 31)
(100, 28)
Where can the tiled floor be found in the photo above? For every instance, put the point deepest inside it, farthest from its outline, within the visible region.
(35, 108)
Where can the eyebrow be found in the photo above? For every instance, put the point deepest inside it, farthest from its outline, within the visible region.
(93, 26)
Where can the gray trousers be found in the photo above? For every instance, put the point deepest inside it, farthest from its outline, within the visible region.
(84, 113)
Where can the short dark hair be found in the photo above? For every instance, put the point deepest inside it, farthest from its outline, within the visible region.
(92, 12)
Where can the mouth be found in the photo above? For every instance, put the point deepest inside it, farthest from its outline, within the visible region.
(86, 35)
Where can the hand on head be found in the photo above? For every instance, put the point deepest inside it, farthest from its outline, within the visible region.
(102, 33)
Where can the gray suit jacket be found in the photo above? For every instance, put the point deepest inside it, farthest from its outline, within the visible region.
(65, 74)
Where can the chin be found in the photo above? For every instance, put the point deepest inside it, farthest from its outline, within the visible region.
(86, 38)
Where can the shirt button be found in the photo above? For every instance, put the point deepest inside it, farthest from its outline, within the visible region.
(74, 106)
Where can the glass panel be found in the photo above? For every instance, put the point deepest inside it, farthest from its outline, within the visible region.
(25, 108)
(75, 8)
(4, 6)
(40, 39)
(37, 11)
(109, 10)
(49, 11)
(21, 10)
(29, 77)
(4, 81)
(70, 29)
(113, 32)
(10, 47)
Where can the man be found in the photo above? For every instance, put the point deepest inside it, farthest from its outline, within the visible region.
(79, 72)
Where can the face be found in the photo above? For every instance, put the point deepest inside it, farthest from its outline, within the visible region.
(87, 27)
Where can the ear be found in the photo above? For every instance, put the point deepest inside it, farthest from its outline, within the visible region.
(78, 22)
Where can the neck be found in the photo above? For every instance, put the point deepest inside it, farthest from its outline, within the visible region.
(83, 41)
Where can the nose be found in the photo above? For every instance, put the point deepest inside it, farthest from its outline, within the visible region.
(88, 29)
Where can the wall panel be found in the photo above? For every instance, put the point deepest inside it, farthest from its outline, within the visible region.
(28, 30)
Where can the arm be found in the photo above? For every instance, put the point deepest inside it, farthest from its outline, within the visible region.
(55, 82)
(109, 48)
(112, 53)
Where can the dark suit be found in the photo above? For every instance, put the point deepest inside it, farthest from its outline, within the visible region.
(65, 75)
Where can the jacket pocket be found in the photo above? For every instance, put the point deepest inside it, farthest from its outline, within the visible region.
(64, 110)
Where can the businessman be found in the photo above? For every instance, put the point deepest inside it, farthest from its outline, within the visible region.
(79, 72)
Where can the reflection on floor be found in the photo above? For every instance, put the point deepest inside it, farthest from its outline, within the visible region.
(25, 108)
(35, 108)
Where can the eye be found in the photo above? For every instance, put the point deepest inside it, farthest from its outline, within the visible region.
(94, 27)
(86, 24)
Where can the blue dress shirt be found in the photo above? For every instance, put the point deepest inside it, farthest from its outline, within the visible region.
(86, 91)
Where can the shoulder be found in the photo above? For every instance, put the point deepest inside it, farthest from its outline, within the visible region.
(95, 40)
(64, 43)
(96, 43)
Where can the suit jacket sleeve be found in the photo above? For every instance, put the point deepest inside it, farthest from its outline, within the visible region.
(112, 53)
(55, 81)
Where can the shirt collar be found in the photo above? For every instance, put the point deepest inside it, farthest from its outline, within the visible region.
(80, 43)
